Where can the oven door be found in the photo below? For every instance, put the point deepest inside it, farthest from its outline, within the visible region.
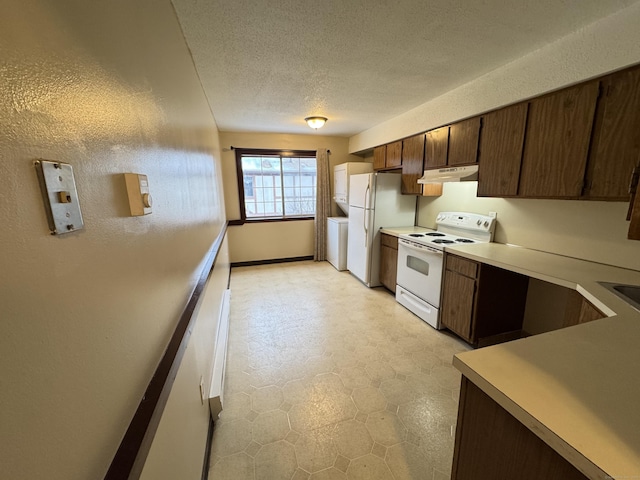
(420, 270)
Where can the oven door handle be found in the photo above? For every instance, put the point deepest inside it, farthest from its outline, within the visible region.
(424, 305)
(421, 248)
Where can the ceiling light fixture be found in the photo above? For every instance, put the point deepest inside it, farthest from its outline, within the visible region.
(315, 122)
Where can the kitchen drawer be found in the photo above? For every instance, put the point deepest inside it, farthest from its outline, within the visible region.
(460, 265)
(389, 241)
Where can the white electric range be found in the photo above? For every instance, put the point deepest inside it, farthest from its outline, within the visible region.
(420, 260)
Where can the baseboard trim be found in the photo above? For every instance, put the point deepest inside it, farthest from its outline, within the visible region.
(270, 261)
(207, 451)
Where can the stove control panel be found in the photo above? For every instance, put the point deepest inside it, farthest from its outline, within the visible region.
(467, 221)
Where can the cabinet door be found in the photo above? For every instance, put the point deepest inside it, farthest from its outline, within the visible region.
(394, 154)
(456, 309)
(580, 310)
(557, 142)
(492, 444)
(379, 157)
(437, 148)
(463, 142)
(412, 164)
(634, 216)
(388, 267)
(500, 152)
(616, 140)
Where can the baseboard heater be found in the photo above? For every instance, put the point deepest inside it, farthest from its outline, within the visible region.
(220, 358)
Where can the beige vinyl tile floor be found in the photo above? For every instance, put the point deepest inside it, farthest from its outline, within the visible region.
(328, 379)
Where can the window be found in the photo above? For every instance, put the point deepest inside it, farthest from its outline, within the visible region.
(276, 184)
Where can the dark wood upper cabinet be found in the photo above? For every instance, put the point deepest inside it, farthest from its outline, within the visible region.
(557, 142)
(463, 142)
(388, 157)
(615, 149)
(412, 164)
(394, 154)
(500, 151)
(437, 146)
(379, 157)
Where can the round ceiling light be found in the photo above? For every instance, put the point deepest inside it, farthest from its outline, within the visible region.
(316, 122)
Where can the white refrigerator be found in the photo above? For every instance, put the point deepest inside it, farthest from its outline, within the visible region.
(375, 202)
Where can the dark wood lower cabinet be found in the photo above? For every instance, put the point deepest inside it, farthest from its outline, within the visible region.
(491, 444)
(388, 261)
(481, 303)
(458, 303)
(580, 310)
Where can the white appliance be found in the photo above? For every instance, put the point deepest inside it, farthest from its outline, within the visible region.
(337, 229)
(450, 174)
(341, 174)
(420, 256)
(375, 202)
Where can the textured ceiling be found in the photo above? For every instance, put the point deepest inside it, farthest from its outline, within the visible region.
(265, 65)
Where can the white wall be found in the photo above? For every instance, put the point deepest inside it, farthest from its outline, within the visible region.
(606, 45)
(590, 230)
(582, 229)
(273, 240)
(178, 448)
(108, 87)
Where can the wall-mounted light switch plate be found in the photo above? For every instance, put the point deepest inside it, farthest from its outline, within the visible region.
(58, 187)
(138, 191)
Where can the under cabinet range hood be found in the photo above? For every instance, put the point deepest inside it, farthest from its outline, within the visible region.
(450, 174)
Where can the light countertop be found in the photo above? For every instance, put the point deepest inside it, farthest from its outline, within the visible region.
(396, 231)
(577, 388)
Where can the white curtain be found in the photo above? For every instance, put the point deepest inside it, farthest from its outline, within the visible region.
(323, 205)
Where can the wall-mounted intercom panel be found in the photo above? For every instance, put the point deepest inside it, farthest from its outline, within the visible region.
(58, 187)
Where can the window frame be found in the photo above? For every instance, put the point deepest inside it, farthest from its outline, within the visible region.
(240, 178)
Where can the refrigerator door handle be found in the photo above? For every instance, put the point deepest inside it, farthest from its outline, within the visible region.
(365, 219)
(367, 195)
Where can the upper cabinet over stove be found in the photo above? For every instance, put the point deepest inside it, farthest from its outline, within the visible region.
(580, 143)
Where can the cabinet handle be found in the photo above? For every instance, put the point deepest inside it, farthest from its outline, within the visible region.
(633, 187)
(633, 183)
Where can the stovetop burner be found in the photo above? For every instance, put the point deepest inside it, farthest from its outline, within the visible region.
(454, 228)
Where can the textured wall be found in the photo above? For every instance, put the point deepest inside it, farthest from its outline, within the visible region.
(608, 44)
(590, 230)
(263, 241)
(108, 87)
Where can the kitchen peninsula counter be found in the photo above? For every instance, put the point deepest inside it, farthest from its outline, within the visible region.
(576, 388)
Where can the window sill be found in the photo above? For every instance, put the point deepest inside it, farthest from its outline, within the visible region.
(267, 220)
